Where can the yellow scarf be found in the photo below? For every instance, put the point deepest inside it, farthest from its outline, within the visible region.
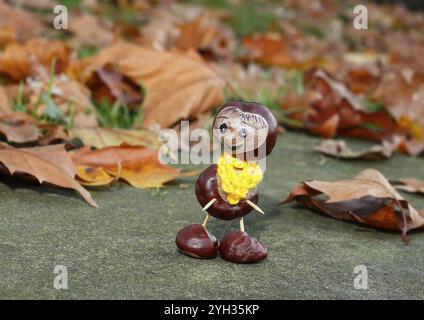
(237, 177)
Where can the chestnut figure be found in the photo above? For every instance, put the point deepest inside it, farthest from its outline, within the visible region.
(229, 189)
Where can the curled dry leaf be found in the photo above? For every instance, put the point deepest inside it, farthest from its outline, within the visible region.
(253, 82)
(269, 49)
(272, 49)
(17, 129)
(208, 35)
(368, 199)
(52, 133)
(176, 85)
(93, 176)
(329, 108)
(108, 84)
(139, 166)
(339, 149)
(19, 61)
(403, 144)
(113, 137)
(411, 185)
(49, 164)
(89, 30)
(402, 91)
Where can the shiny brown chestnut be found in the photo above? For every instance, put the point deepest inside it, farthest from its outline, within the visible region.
(239, 247)
(207, 188)
(195, 241)
(240, 116)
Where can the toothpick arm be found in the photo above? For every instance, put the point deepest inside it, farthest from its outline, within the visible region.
(209, 204)
(254, 206)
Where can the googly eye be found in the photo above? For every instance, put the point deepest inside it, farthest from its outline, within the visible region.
(243, 133)
(223, 127)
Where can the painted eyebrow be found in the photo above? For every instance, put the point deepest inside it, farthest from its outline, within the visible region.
(249, 124)
(225, 117)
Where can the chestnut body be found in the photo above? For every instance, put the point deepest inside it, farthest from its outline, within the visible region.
(207, 188)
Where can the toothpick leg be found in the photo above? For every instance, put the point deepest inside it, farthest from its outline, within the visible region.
(206, 220)
(254, 206)
(241, 224)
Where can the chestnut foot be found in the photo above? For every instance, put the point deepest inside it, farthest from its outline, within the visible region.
(239, 247)
(195, 241)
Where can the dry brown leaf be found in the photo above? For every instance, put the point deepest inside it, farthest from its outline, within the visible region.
(339, 149)
(208, 35)
(402, 92)
(368, 199)
(24, 24)
(19, 61)
(107, 84)
(252, 82)
(89, 30)
(139, 166)
(112, 137)
(176, 86)
(49, 164)
(269, 49)
(5, 107)
(38, 4)
(52, 133)
(411, 185)
(332, 109)
(93, 176)
(69, 96)
(18, 131)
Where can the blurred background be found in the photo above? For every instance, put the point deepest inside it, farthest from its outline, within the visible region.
(150, 64)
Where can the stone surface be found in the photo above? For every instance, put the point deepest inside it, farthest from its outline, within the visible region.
(126, 248)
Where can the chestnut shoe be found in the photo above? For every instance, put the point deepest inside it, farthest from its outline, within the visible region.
(239, 247)
(195, 241)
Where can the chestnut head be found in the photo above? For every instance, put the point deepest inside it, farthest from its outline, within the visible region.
(247, 130)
